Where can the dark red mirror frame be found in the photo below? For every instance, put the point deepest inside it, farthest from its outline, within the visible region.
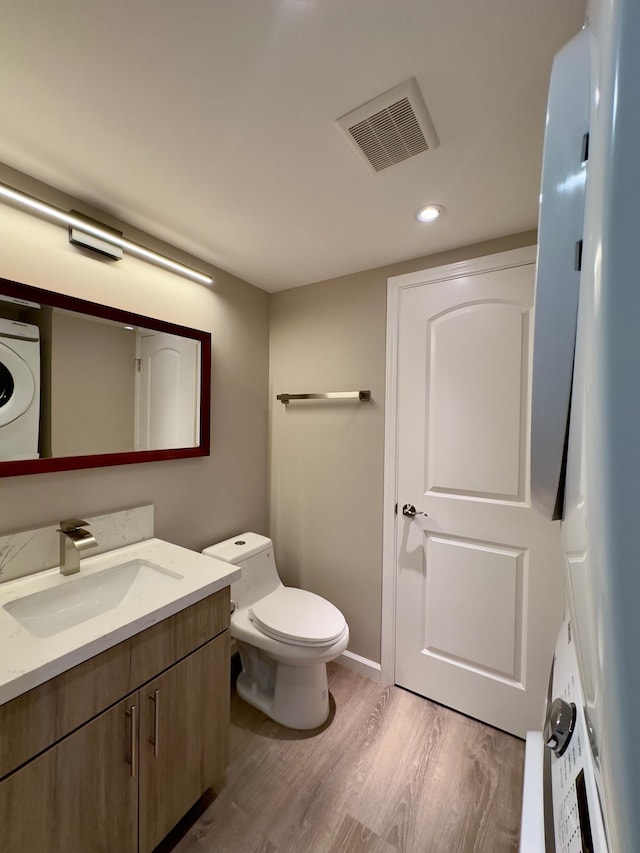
(100, 460)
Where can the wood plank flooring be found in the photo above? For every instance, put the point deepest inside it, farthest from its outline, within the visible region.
(388, 773)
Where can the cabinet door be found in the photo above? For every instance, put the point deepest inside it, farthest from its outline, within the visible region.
(78, 796)
(184, 731)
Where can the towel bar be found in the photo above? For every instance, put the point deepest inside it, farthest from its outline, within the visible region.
(362, 396)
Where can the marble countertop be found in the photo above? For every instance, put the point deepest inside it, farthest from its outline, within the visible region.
(27, 661)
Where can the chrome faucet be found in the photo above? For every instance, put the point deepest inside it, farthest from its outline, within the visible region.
(73, 539)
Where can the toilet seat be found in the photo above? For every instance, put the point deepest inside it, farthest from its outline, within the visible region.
(298, 617)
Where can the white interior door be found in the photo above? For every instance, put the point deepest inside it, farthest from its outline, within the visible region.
(167, 391)
(479, 576)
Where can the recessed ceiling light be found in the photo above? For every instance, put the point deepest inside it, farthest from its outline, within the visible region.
(429, 212)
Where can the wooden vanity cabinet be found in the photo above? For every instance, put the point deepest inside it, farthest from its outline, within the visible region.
(184, 722)
(120, 780)
(78, 796)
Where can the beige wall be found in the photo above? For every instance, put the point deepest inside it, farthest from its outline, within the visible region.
(93, 382)
(197, 501)
(327, 458)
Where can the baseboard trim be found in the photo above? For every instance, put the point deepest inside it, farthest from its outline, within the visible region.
(363, 666)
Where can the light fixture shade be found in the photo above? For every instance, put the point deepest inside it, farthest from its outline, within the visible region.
(81, 237)
(101, 232)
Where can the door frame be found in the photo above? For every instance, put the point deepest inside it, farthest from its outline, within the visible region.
(395, 286)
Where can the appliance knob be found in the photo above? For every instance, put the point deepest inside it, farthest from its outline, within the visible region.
(559, 726)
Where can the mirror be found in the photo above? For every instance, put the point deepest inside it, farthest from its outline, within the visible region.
(84, 385)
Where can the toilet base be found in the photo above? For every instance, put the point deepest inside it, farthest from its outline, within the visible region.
(294, 696)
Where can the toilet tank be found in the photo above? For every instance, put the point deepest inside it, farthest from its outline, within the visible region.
(254, 555)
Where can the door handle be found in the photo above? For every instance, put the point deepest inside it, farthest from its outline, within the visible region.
(410, 511)
(132, 715)
(155, 698)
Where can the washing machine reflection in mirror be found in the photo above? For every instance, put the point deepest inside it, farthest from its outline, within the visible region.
(19, 390)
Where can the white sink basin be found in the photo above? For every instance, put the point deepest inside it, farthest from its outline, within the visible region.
(83, 597)
(50, 623)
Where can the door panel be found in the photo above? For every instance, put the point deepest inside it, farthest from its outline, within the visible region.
(62, 803)
(473, 609)
(477, 576)
(473, 428)
(183, 738)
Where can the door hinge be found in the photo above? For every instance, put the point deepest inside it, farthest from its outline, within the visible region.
(396, 509)
(138, 364)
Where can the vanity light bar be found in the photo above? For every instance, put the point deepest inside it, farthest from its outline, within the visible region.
(102, 233)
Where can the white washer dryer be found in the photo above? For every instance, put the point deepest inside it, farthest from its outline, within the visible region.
(19, 390)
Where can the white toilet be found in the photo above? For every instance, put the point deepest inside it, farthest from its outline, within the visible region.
(285, 636)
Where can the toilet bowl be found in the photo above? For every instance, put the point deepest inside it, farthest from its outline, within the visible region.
(285, 636)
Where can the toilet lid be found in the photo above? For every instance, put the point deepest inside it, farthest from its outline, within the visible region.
(297, 616)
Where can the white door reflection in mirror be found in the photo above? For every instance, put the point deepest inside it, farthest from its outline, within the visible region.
(167, 391)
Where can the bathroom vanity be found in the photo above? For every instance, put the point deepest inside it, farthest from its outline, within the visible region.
(108, 735)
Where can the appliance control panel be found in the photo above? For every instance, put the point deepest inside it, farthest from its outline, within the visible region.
(577, 816)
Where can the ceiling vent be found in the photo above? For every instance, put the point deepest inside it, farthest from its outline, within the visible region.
(392, 127)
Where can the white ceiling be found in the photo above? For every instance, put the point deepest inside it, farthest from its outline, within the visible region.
(212, 123)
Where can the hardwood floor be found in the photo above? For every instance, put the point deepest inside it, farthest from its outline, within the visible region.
(388, 772)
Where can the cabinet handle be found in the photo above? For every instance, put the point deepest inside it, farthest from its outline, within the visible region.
(155, 698)
(132, 713)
